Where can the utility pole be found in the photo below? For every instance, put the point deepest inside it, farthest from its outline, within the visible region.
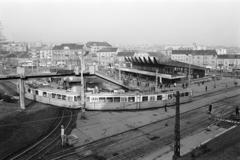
(82, 84)
(156, 80)
(21, 72)
(189, 71)
(177, 128)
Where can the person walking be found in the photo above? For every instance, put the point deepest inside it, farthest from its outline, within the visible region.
(206, 88)
(83, 116)
(237, 111)
(210, 109)
(165, 107)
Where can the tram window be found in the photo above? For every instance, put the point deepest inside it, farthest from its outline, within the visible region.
(145, 98)
(109, 99)
(59, 96)
(53, 95)
(186, 94)
(36, 92)
(93, 99)
(64, 97)
(88, 99)
(75, 98)
(159, 97)
(70, 98)
(101, 99)
(116, 99)
(29, 90)
(123, 99)
(152, 98)
(44, 94)
(182, 95)
(78, 98)
(131, 99)
(170, 96)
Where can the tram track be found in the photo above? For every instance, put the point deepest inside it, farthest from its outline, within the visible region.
(41, 146)
(194, 98)
(92, 149)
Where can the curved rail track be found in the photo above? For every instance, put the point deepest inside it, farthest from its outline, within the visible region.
(149, 135)
(40, 148)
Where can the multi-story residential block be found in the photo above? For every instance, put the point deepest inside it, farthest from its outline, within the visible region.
(106, 56)
(228, 62)
(66, 55)
(96, 46)
(204, 58)
(45, 57)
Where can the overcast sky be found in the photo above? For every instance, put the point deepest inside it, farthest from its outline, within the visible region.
(209, 22)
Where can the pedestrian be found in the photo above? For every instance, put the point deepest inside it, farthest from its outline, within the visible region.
(175, 85)
(206, 88)
(183, 86)
(83, 116)
(165, 107)
(210, 109)
(237, 111)
(186, 85)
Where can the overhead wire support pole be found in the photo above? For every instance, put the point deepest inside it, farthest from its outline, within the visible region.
(176, 154)
(82, 85)
(189, 71)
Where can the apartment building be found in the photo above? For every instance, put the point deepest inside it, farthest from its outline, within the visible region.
(96, 46)
(228, 62)
(106, 56)
(66, 55)
(203, 58)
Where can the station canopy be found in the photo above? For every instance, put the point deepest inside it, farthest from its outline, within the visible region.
(154, 61)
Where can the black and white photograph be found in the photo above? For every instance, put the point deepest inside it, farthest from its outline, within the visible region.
(119, 79)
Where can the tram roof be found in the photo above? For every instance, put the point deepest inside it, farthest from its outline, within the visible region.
(59, 91)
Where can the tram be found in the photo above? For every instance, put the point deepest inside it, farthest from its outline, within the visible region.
(105, 101)
(56, 97)
(134, 101)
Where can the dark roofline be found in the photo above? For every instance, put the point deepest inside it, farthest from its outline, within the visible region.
(71, 46)
(195, 52)
(125, 53)
(229, 56)
(94, 43)
(108, 49)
